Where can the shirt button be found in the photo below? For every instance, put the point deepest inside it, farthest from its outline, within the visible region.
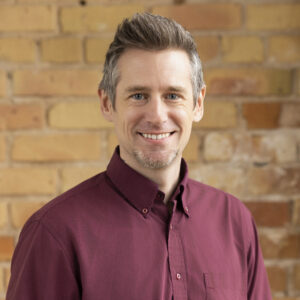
(171, 226)
(186, 209)
(145, 210)
(178, 276)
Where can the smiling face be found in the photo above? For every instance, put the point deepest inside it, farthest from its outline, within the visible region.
(154, 107)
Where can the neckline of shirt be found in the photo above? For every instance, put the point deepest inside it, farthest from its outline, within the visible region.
(139, 190)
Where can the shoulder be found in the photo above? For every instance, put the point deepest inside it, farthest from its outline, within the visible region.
(198, 191)
(217, 202)
(71, 203)
(221, 210)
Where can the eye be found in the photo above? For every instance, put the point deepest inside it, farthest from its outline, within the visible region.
(172, 96)
(138, 96)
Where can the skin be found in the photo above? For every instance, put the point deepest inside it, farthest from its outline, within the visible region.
(154, 98)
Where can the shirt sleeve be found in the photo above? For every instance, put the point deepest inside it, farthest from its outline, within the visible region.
(258, 284)
(40, 268)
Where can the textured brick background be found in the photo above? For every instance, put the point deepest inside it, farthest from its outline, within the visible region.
(52, 135)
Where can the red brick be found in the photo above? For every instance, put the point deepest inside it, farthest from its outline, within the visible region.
(6, 247)
(271, 214)
(296, 212)
(251, 81)
(277, 278)
(261, 115)
(56, 82)
(21, 116)
(286, 246)
(203, 16)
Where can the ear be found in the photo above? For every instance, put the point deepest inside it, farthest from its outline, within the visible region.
(199, 107)
(106, 105)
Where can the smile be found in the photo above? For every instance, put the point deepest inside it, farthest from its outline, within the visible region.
(156, 136)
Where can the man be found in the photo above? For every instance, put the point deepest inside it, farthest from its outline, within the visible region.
(143, 229)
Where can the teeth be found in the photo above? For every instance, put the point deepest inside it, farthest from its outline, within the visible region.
(156, 136)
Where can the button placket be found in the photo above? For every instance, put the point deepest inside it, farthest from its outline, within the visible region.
(176, 259)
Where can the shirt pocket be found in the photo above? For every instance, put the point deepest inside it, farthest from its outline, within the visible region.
(224, 286)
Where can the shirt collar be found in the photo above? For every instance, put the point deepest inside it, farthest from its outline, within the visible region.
(139, 190)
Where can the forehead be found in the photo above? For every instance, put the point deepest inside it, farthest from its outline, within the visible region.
(155, 69)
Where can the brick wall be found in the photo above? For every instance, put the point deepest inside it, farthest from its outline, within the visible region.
(52, 134)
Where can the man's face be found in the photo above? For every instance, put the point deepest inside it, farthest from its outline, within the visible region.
(154, 107)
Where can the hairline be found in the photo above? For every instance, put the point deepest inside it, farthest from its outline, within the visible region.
(164, 34)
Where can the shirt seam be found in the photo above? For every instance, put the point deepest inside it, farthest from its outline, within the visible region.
(61, 246)
(66, 197)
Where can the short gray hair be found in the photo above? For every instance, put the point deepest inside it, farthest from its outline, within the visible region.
(149, 32)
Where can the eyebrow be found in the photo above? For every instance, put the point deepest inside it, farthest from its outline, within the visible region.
(137, 88)
(141, 88)
(180, 89)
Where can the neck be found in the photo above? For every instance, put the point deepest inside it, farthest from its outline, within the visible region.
(166, 178)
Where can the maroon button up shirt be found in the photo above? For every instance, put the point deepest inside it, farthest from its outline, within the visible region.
(112, 237)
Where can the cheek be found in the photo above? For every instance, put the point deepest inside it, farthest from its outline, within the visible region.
(128, 120)
(183, 118)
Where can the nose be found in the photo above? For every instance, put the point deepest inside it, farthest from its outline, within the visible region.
(157, 110)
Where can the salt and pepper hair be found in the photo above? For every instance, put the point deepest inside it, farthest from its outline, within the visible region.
(153, 33)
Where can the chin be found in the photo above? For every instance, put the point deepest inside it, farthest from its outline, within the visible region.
(157, 160)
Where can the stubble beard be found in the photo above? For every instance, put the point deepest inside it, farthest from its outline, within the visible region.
(150, 161)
